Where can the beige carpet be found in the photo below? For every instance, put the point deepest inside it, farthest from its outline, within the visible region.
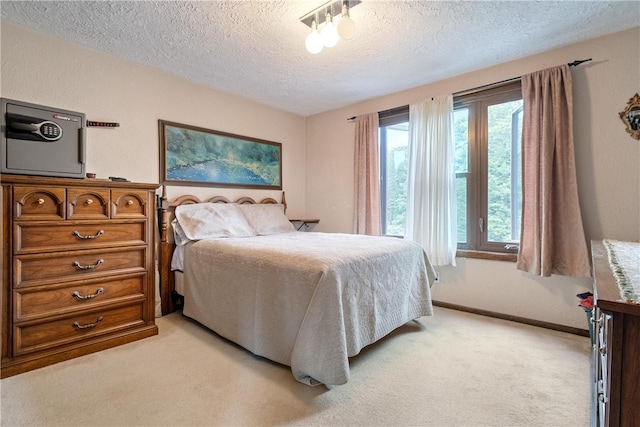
(452, 369)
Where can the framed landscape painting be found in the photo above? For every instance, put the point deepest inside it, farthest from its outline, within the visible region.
(196, 156)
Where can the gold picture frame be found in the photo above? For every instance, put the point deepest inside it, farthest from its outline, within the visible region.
(631, 117)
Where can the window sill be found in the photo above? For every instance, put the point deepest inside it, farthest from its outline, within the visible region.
(494, 256)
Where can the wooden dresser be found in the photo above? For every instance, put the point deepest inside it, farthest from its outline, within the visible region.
(616, 349)
(78, 273)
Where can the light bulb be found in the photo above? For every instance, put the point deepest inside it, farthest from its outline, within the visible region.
(346, 26)
(313, 41)
(329, 33)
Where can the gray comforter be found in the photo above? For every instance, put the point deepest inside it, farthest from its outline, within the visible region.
(307, 300)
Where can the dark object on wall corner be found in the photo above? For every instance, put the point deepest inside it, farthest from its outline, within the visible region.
(631, 117)
(40, 140)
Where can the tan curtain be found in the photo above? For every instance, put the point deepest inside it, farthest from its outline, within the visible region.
(552, 239)
(367, 184)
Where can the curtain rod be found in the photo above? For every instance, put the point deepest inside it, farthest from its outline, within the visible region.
(487, 86)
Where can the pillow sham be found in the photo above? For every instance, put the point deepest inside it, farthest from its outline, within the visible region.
(179, 238)
(210, 220)
(266, 219)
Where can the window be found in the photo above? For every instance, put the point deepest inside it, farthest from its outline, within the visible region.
(393, 138)
(488, 134)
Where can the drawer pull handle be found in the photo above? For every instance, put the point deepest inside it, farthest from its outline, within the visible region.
(41, 201)
(77, 295)
(89, 201)
(597, 321)
(88, 325)
(77, 234)
(77, 265)
(129, 202)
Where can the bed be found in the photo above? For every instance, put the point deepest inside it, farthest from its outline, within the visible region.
(307, 300)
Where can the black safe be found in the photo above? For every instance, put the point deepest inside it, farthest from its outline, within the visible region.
(40, 140)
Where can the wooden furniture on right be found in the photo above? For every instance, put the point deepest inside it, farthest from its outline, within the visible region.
(616, 349)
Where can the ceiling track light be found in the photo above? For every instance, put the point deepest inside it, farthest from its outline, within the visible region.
(334, 27)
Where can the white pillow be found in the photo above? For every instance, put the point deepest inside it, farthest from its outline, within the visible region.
(211, 220)
(266, 219)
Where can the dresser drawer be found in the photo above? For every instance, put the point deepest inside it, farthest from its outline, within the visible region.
(37, 203)
(47, 301)
(128, 204)
(63, 267)
(87, 203)
(42, 237)
(33, 337)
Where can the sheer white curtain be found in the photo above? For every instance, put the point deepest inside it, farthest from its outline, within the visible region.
(431, 196)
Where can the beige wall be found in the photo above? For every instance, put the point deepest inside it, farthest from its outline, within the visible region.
(608, 170)
(45, 70)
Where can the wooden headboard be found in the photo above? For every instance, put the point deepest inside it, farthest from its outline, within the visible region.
(167, 246)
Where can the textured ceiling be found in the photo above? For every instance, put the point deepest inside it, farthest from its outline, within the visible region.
(255, 49)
